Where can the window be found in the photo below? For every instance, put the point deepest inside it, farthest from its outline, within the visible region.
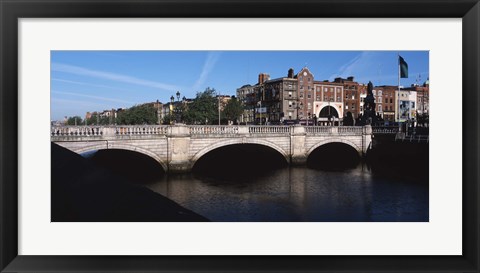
(379, 108)
(390, 100)
(301, 86)
(346, 107)
(309, 95)
(301, 78)
(309, 106)
(309, 79)
(353, 106)
(338, 99)
(318, 97)
(386, 100)
(353, 97)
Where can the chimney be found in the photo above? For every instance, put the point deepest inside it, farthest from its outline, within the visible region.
(290, 73)
(350, 78)
(263, 77)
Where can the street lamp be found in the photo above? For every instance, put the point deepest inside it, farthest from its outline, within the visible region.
(218, 108)
(177, 114)
(172, 99)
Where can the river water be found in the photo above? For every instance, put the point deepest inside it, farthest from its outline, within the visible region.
(294, 194)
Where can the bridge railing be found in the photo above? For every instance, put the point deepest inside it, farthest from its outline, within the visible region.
(319, 130)
(258, 130)
(350, 130)
(385, 129)
(334, 130)
(141, 130)
(199, 130)
(213, 130)
(86, 131)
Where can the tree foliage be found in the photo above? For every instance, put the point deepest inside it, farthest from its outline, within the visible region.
(96, 119)
(139, 114)
(75, 120)
(233, 110)
(204, 109)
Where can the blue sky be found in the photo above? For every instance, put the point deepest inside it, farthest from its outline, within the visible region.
(84, 81)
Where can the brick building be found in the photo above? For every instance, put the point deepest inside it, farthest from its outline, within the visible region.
(352, 91)
(294, 97)
(385, 101)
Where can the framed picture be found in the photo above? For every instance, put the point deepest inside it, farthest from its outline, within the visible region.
(43, 39)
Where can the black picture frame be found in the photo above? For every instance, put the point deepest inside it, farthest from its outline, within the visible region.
(12, 10)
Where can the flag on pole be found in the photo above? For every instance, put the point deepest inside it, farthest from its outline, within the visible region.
(403, 67)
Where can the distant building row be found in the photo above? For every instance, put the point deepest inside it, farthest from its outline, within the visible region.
(162, 109)
(301, 97)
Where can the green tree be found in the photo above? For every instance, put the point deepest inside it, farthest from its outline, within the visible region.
(203, 110)
(233, 110)
(167, 119)
(75, 120)
(96, 119)
(139, 114)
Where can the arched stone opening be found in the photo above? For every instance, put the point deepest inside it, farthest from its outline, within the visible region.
(328, 111)
(240, 160)
(334, 156)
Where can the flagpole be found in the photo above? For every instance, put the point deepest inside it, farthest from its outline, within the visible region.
(398, 94)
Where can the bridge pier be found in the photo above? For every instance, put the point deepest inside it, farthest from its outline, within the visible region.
(178, 149)
(297, 145)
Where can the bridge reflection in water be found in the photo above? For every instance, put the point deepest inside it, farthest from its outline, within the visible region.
(177, 148)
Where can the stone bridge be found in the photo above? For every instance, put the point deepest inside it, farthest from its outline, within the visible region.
(178, 147)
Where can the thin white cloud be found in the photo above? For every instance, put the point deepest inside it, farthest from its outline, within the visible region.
(353, 66)
(87, 84)
(70, 104)
(59, 67)
(90, 96)
(208, 66)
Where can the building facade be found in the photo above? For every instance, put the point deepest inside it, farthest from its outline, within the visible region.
(296, 97)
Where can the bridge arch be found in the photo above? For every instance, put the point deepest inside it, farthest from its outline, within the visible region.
(340, 140)
(125, 147)
(234, 141)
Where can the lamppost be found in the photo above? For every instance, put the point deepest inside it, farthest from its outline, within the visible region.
(177, 114)
(218, 108)
(158, 113)
(172, 99)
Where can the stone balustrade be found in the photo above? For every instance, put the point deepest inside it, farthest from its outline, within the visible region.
(58, 132)
(61, 131)
(385, 130)
(141, 130)
(213, 130)
(269, 129)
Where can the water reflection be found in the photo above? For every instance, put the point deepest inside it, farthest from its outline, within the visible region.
(300, 194)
